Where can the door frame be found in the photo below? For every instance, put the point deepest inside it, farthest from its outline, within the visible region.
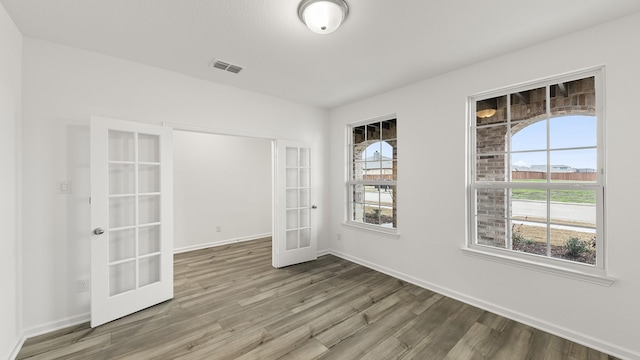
(274, 171)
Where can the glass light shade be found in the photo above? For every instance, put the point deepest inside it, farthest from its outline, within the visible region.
(323, 17)
(486, 113)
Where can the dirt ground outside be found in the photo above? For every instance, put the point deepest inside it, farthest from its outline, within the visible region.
(533, 240)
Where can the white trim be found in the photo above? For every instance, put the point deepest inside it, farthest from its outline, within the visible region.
(540, 82)
(57, 325)
(391, 233)
(324, 252)
(19, 296)
(16, 349)
(560, 331)
(265, 135)
(372, 120)
(510, 259)
(207, 130)
(219, 243)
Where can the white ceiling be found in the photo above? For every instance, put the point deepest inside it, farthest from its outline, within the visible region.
(382, 45)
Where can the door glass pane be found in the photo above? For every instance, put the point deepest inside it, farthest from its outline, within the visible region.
(149, 178)
(292, 157)
(292, 198)
(292, 219)
(121, 146)
(122, 244)
(292, 178)
(149, 270)
(149, 206)
(305, 238)
(148, 239)
(292, 239)
(121, 179)
(305, 160)
(304, 178)
(122, 211)
(305, 199)
(305, 218)
(148, 148)
(122, 277)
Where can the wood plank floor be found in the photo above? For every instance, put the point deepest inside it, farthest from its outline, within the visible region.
(231, 304)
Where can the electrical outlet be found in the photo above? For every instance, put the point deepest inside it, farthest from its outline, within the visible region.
(219, 228)
(83, 285)
(63, 187)
(339, 237)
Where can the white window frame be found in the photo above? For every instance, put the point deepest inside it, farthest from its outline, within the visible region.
(393, 232)
(591, 273)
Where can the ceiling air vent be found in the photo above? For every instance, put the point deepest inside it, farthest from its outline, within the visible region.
(226, 66)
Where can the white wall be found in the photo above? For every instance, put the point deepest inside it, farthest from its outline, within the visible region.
(62, 88)
(10, 114)
(431, 192)
(220, 181)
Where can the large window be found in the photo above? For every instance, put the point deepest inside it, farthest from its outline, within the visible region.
(373, 168)
(537, 174)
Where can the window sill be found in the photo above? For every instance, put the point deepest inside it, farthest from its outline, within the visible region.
(598, 279)
(390, 233)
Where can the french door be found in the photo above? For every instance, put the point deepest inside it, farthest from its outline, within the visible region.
(294, 226)
(131, 217)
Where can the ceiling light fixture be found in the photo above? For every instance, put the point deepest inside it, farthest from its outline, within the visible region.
(486, 108)
(323, 16)
(486, 113)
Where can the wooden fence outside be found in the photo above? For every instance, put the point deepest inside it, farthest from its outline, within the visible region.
(571, 176)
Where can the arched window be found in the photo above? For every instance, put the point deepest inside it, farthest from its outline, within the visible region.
(537, 175)
(372, 185)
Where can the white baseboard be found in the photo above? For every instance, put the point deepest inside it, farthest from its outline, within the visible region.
(568, 334)
(16, 349)
(57, 325)
(324, 252)
(220, 243)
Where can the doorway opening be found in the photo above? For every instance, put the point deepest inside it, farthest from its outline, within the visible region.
(223, 189)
